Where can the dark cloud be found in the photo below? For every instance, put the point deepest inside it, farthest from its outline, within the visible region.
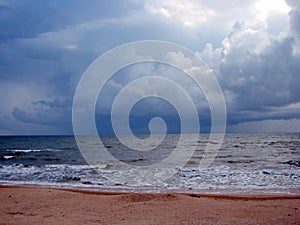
(43, 116)
(259, 72)
(28, 18)
(54, 104)
(262, 79)
(24, 116)
(295, 20)
(45, 47)
(23, 19)
(39, 120)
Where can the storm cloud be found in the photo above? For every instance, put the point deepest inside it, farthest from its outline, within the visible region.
(253, 48)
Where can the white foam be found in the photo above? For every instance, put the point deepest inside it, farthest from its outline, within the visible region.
(34, 150)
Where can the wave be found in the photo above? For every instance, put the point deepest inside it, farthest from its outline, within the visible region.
(8, 157)
(33, 150)
(220, 177)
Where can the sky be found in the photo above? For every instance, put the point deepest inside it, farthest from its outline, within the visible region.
(252, 47)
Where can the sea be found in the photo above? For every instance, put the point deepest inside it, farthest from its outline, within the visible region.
(244, 163)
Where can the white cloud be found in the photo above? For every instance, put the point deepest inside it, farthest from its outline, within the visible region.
(258, 71)
(257, 63)
(71, 47)
(264, 8)
(189, 13)
(221, 15)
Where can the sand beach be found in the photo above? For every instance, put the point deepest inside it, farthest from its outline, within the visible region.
(43, 205)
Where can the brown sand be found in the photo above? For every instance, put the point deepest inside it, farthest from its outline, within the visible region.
(35, 205)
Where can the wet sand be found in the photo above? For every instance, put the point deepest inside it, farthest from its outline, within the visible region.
(40, 205)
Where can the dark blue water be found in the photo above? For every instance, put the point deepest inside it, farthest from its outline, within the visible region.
(39, 150)
(247, 162)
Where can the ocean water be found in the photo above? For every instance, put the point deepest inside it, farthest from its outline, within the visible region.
(245, 162)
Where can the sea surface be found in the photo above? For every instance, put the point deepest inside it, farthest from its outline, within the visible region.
(245, 162)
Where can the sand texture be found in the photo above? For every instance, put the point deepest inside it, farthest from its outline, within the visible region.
(36, 205)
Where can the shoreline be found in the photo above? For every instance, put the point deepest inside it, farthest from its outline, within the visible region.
(234, 192)
(224, 194)
(45, 205)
